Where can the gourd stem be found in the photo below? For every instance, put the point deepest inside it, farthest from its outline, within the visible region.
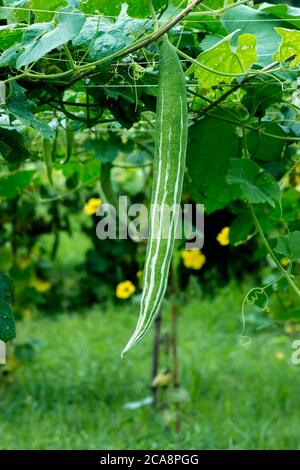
(153, 14)
(86, 70)
(70, 58)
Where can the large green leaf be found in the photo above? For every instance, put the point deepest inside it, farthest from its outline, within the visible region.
(18, 105)
(213, 143)
(12, 145)
(9, 35)
(137, 8)
(289, 246)
(289, 45)
(251, 21)
(266, 148)
(282, 11)
(40, 7)
(13, 185)
(225, 59)
(7, 322)
(10, 56)
(241, 228)
(39, 39)
(208, 160)
(261, 92)
(257, 185)
(104, 36)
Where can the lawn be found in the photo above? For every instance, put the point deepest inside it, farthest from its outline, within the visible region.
(72, 394)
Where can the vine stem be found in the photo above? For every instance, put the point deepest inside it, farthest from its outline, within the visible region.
(221, 10)
(85, 70)
(237, 86)
(73, 66)
(249, 74)
(153, 14)
(259, 130)
(271, 252)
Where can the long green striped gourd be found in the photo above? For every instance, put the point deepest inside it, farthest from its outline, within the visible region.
(169, 165)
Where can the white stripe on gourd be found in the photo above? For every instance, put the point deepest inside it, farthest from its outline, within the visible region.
(169, 164)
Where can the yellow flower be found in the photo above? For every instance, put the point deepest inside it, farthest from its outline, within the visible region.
(26, 313)
(23, 263)
(279, 356)
(291, 328)
(193, 259)
(40, 285)
(92, 206)
(223, 236)
(125, 290)
(163, 379)
(285, 261)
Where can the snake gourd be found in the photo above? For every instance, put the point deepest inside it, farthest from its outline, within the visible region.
(168, 174)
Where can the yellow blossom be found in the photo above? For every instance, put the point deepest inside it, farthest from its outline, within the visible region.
(193, 259)
(291, 328)
(26, 313)
(125, 290)
(92, 206)
(23, 263)
(285, 261)
(279, 356)
(223, 236)
(40, 285)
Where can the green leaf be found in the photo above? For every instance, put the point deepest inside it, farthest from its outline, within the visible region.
(226, 59)
(108, 150)
(10, 56)
(12, 146)
(289, 45)
(266, 148)
(257, 185)
(7, 322)
(39, 39)
(9, 35)
(241, 229)
(289, 246)
(208, 158)
(208, 161)
(90, 171)
(104, 36)
(137, 8)
(13, 185)
(18, 105)
(38, 9)
(216, 4)
(261, 94)
(251, 21)
(282, 11)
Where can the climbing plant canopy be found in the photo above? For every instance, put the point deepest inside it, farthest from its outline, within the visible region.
(82, 72)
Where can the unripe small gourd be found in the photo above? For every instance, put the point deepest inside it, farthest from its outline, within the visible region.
(169, 166)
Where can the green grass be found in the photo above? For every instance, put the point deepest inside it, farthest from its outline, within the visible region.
(72, 394)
